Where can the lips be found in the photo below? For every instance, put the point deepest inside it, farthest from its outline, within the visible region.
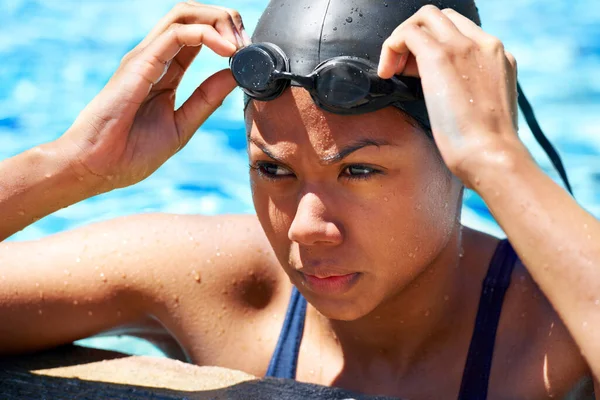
(330, 283)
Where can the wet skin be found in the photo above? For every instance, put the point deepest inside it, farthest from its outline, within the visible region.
(372, 239)
(220, 286)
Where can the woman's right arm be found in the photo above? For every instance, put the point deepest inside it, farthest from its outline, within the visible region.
(69, 286)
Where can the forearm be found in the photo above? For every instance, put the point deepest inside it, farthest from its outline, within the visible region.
(38, 182)
(556, 239)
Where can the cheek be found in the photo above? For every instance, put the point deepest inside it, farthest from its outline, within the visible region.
(410, 223)
(274, 219)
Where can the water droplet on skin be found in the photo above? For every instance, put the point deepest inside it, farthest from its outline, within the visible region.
(335, 28)
(78, 259)
(80, 179)
(465, 77)
(176, 300)
(349, 19)
(41, 295)
(218, 254)
(427, 313)
(67, 272)
(36, 284)
(585, 324)
(386, 199)
(597, 302)
(90, 313)
(124, 276)
(119, 314)
(48, 175)
(40, 312)
(411, 255)
(21, 212)
(75, 302)
(103, 277)
(471, 101)
(196, 276)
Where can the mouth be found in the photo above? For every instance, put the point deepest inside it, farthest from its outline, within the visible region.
(327, 283)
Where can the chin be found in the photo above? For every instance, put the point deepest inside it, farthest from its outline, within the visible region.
(340, 309)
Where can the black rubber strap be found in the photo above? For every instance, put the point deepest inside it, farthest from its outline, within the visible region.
(541, 138)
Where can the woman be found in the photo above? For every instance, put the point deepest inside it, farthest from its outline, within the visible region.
(360, 213)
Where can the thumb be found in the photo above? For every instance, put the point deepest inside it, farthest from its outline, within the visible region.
(202, 103)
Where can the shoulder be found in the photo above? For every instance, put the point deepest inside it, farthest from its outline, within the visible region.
(534, 352)
(214, 283)
(533, 345)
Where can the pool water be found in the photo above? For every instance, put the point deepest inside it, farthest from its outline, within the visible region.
(57, 55)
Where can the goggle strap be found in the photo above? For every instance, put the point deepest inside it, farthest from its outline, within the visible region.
(541, 138)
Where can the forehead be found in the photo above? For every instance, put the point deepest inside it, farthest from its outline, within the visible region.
(293, 120)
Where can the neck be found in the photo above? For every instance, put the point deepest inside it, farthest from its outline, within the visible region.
(407, 327)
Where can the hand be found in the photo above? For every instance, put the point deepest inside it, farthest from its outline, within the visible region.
(131, 128)
(469, 82)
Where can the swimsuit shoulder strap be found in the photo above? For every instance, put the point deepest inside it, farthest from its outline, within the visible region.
(481, 351)
(285, 358)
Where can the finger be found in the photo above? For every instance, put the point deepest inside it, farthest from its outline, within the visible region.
(469, 28)
(202, 103)
(436, 23)
(239, 24)
(187, 13)
(149, 66)
(411, 39)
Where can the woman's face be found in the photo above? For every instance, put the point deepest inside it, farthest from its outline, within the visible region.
(364, 198)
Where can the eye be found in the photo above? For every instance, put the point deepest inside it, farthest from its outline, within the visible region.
(271, 171)
(359, 172)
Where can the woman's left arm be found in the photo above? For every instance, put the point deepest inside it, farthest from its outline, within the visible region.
(470, 89)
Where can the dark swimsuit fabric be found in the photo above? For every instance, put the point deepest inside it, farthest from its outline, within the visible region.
(481, 350)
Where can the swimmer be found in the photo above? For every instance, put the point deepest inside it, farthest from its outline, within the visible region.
(355, 271)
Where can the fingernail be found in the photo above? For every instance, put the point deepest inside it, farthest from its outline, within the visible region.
(246, 37)
(240, 42)
(400, 66)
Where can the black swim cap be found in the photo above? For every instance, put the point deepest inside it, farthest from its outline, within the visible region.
(312, 31)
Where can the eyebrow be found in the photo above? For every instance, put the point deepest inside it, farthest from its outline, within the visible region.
(331, 159)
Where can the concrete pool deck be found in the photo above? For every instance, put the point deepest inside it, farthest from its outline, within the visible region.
(74, 372)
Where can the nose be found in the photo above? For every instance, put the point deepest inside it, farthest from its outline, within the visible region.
(311, 224)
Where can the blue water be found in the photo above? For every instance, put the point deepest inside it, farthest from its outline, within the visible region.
(57, 54)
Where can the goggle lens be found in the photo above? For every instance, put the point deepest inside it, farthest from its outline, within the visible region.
(343, 85)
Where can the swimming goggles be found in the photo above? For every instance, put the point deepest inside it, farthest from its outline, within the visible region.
(341, 85)
(349, 85)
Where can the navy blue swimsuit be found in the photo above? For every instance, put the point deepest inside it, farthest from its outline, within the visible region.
(479, 359)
